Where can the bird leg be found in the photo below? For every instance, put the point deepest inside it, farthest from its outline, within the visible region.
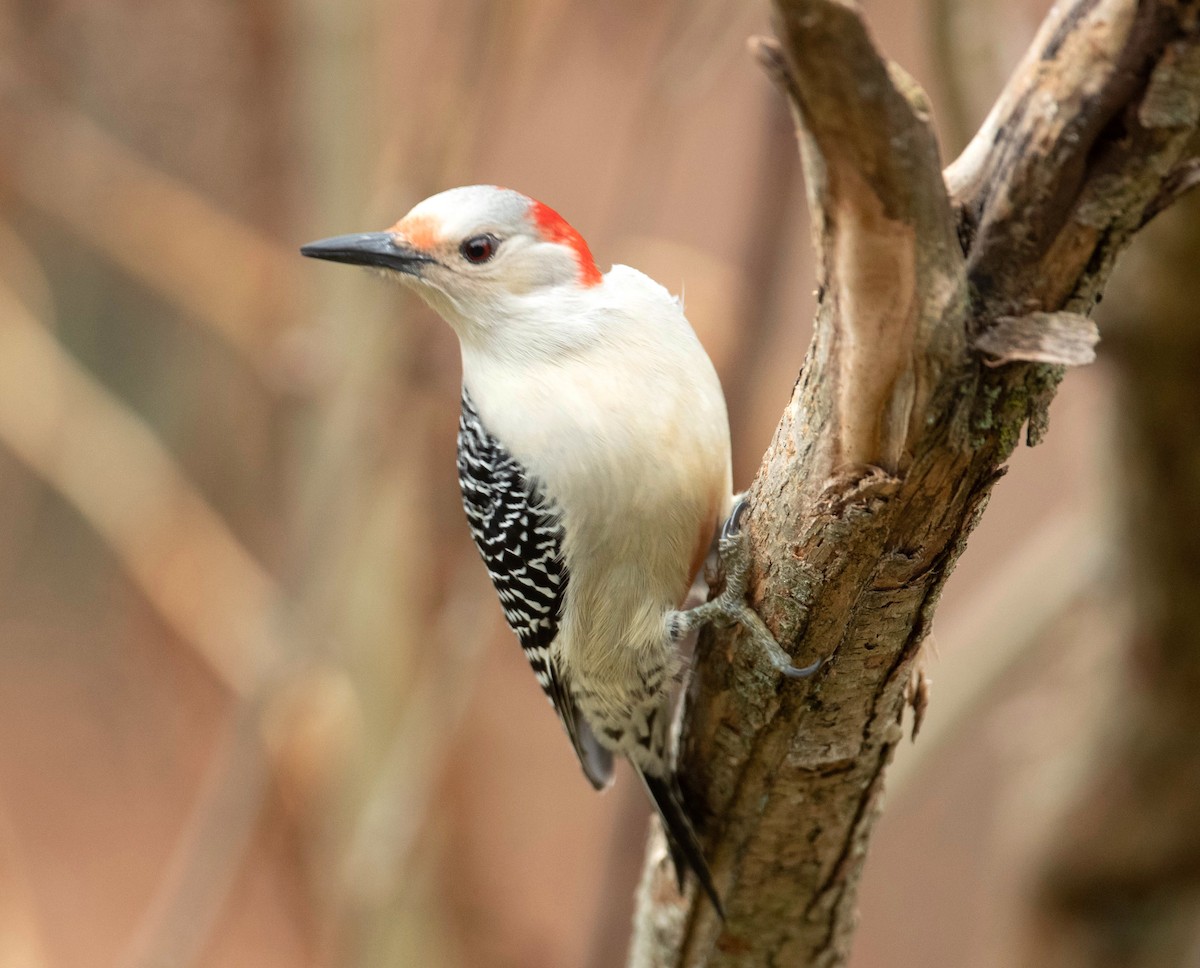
(731, 607)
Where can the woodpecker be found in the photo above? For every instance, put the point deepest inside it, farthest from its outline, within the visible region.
(594, 463)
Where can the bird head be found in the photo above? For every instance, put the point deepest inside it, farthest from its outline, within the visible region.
(475, 253)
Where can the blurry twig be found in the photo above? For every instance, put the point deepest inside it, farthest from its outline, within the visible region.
(701, 39)
(180, 918)
(973, 47)
(396, 806)
(21, 497)
(1002, 625)
(652, 136)
(217, 269)
(609, 934)
(21, 943)
(1118, 878)
(958, 114)
(102, 459)
(766, 253)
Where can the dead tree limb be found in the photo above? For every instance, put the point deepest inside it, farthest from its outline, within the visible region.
(898, 427)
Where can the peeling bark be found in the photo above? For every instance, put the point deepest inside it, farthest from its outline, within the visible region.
(1064, 339)
(897, 431)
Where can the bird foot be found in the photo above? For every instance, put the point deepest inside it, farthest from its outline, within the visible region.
(731, 607)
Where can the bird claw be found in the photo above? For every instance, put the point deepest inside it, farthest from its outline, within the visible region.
(735, 555)
(732, 528)
(733, 607)
(792, 671)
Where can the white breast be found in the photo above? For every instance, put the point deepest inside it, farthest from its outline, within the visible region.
(625, 425)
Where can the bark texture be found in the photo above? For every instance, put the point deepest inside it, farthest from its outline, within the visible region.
(933, 292)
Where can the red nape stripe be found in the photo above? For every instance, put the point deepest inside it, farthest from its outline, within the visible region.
(555, 228)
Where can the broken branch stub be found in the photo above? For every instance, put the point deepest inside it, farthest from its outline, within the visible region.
(1060, 339)
(891, 275)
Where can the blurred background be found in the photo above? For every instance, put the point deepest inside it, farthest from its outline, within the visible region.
(258, 705)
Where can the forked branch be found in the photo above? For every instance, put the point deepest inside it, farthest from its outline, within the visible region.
(897, 428)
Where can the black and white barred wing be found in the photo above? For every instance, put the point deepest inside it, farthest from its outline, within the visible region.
(519, 535)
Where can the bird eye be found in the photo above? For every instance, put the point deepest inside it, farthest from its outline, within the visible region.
(479, 248)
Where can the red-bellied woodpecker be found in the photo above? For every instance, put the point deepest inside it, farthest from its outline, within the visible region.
(593, 455)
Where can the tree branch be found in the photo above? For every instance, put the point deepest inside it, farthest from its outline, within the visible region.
(896, 431)
(1079, 146)
(154, 227)
(103, 459)
(887, 270)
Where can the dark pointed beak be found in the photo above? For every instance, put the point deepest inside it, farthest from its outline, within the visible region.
(381, 249)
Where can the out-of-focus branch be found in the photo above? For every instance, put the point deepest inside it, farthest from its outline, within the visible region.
(20, 495)
(21, 944)
(971, 45)
(219, 271)
(1092, 125)
(103, 460)
(1122, 877)
(396, 808)
(1066, 561)
(193, 891)
(896, 431)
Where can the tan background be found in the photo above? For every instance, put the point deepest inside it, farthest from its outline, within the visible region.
(257, 703)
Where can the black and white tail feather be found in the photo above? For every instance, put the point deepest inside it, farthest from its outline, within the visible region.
(519, 534)
(682, 842)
